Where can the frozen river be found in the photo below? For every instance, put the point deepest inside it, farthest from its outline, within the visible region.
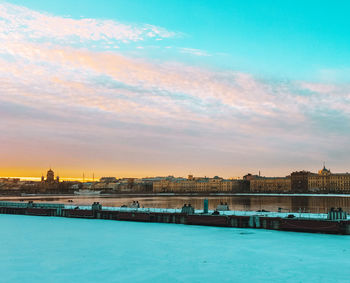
(49, 249)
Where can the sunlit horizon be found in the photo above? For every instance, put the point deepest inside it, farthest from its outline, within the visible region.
(88, 177)
(27, 178)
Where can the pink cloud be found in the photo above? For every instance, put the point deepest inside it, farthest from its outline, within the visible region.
(164, 108)
(319, 87)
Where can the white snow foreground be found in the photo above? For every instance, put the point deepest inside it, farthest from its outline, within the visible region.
(50, 249)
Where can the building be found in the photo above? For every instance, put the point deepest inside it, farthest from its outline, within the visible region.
(50, 177)
(166, 185)
(299, 181)
(199, 185)
(108, 180)
(50, 185)
(125, 185)
(327, 182)
(270, 185)
(322, 182)
(249, 177)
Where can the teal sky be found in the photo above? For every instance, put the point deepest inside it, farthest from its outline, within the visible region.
(141, 88)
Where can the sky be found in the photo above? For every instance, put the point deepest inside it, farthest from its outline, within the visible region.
(152, 88)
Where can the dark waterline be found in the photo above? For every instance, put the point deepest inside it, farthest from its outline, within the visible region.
(314, 204)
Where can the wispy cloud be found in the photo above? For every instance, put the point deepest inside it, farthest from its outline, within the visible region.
(20, 22)
(193, 51)
(52, 91)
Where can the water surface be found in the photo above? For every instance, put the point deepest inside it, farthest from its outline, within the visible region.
(314, 204)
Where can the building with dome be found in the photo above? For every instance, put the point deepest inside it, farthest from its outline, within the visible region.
(327, 182)
(324, 171)
(324, 181)
(50, 178)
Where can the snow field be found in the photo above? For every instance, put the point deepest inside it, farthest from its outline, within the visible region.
(53, 249)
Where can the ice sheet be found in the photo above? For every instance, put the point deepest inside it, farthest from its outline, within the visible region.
(53, 249)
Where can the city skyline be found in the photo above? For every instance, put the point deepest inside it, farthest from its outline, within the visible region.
(176, 88)
(88, 177)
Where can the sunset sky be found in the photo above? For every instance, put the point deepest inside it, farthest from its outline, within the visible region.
(151, 88)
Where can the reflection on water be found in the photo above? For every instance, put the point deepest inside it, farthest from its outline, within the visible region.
(313, 204)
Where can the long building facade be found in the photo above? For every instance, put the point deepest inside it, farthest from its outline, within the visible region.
(302, 182)
(200, 185)
(322, 182)
(270, 185)
(327, 182)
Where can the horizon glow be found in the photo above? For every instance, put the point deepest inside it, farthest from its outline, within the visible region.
(135, 89)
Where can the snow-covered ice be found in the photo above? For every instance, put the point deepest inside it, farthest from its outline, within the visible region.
(53, 249)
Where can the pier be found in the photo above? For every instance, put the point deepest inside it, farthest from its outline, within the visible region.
(335, 222)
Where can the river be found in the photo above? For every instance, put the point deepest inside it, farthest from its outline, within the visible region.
(287, 203)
